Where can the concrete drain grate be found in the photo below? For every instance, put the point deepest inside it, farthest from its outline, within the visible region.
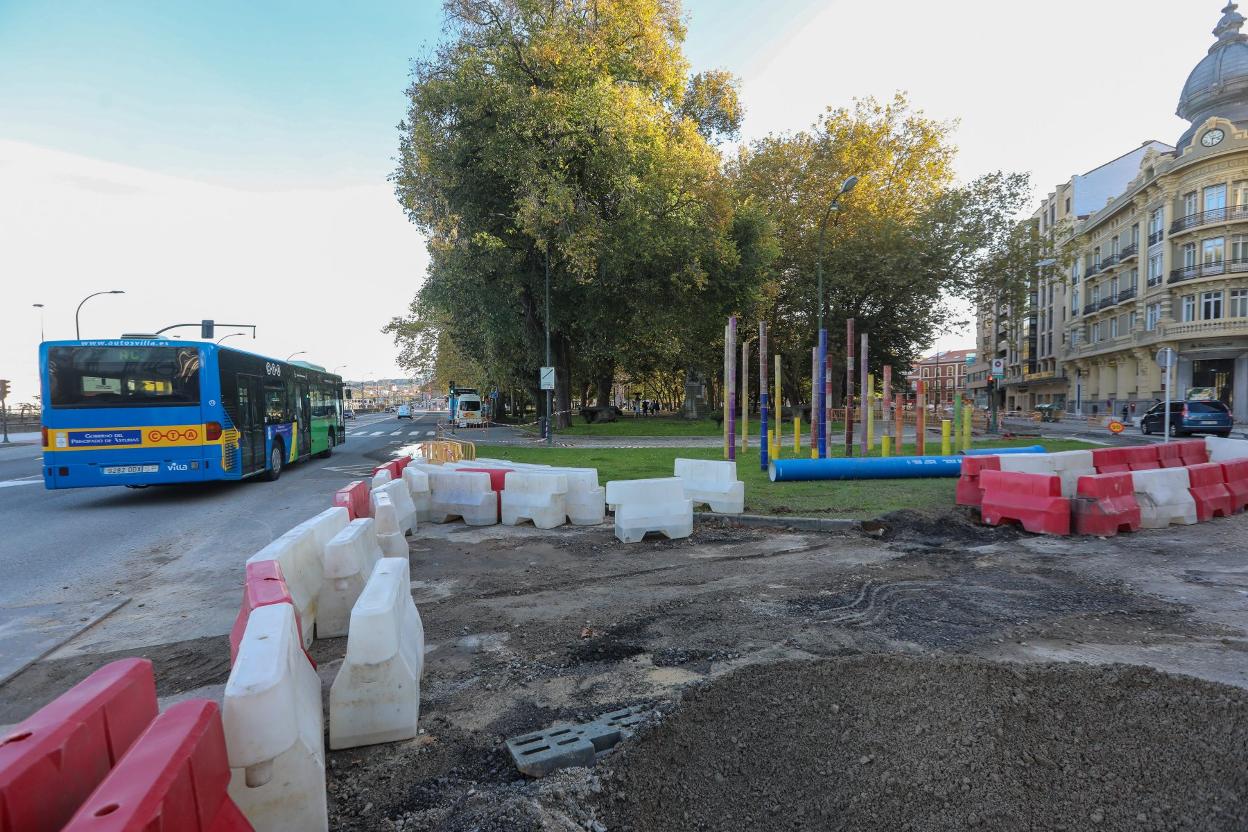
(564, 746)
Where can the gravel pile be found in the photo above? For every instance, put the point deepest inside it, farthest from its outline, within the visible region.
(894, 743)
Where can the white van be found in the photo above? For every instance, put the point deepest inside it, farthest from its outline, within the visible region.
(468, 411)
(405, 411)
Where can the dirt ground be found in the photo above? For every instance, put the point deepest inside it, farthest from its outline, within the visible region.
(525, 628)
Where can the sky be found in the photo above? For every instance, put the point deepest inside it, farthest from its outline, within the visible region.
(228, 160)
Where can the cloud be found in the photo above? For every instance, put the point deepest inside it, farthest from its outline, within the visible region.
(319, 270)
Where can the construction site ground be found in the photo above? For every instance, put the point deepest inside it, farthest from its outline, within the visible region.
(898, 677)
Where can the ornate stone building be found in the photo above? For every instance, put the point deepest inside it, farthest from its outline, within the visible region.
(1160, 260)
(1165, 263)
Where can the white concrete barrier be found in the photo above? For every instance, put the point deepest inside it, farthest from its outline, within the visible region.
(653, 505)
(713, 482)
(1226, 450)
(1070, 466)
(403, 505)
(1164, 497)
(380, 478)
(376, 694)
(465, 494)
(417, 481)
(586, 499)
(534, 495)
(274, 727)
(325, 525)
(349, 560)
(389, 533)
(302, 564)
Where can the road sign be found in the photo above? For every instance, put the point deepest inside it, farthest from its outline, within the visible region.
(547, 378)
(1116, 427)
(1166, 358)
(998, 368)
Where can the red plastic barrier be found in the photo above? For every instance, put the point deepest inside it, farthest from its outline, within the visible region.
(1235, 473)
(1142, 457)
(970, 491)
(50, 763)
(401, 463)
(498, 476)
(1170, 455)
(1111, 461)
(1208, 487)
(263, 584)
(173, 779)
(355, 499)
(1105, 505)
(1193, 451)
(1034, 500)
(396, 472)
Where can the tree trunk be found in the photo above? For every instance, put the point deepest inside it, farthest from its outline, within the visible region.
(603, 385)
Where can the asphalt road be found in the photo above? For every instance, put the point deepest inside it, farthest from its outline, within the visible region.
(170, 553)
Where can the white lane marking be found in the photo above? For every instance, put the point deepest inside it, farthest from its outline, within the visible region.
(396, 433)
(429, 433)
(31, 480)
(377, 433)
(414, 433)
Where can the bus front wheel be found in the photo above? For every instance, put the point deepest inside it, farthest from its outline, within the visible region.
(275, 463)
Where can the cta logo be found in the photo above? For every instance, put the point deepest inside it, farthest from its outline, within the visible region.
(172, 435)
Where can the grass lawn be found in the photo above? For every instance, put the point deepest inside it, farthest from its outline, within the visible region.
(644, 426)
(861, 499)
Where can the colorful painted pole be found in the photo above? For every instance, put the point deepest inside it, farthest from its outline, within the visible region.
(870, 421)
(764, 440)
(899, 413)
(797, 434)
(777, 407)
(920, 420)
(814, 402)
(886, 400)
(823, 394)
(849, 387)
(745, 394)
(885, 442)
(732, 387)
(946, 437)
(863, 441)
(725, 392)
(968, 413)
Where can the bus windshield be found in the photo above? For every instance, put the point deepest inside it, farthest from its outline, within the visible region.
(123, 376)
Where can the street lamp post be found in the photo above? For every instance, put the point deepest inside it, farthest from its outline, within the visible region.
(550, 425)
(231, 335)
(39, 306)
(77, 331)
(834, 205)
(820, 397)
(293, 354)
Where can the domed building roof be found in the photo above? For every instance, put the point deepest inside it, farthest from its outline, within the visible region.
(1218, 86)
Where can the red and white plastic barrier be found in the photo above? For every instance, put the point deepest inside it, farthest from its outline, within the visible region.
(1033, 500)
(1105, 505)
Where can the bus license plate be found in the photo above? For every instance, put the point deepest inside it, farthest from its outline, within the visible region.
(131, 469)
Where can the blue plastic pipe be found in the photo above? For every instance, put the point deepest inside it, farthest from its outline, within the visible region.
(864, 468)
(1030, 449)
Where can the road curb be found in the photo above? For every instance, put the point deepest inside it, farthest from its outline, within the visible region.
(808, 524)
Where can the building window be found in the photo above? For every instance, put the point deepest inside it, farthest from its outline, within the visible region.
(1096, 294)
(1215, 201)
(1074, 273)
(1189, 256)
(1156, 228)
(1074, 303)
(1067, 205)
(1133, 281)
(1152, 316)
(1190, 204)
(1113, 247)
(1113, 327)
(1135, 234)
(1189, 308)
(1096, 332)
(1239, 192)
(923, 372)
(1154, 269)
(1096, 256)
(1239, 248)
(1113, 287)
(1211, 306)
(1239, 303)
(1214, 252)
(1132, 321)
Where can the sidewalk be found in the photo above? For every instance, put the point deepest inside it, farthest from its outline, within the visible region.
(32, 438)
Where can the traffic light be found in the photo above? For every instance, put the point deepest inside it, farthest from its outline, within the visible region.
(206, 329)
(4, 389)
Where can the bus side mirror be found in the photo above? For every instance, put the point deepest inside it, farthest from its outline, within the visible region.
(206, 328)
(348, 392)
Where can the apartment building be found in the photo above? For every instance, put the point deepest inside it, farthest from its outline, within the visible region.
(1150, 251)
(944, 374)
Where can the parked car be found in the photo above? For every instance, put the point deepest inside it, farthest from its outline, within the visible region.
(1188, 418)
(405, 411)
(348, 414)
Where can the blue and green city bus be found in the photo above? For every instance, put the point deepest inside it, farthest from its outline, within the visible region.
(146, 411)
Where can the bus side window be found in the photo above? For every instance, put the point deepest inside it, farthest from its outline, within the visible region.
(275, 410)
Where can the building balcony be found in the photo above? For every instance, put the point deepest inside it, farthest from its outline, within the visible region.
(1089, 308)
(1129, 252)
(1192, 329)
(1107, 302)
(1091, 269)
(1233, 213)
(1126, 294)
(1209, 270)
(1111, 260)
(1156, 237)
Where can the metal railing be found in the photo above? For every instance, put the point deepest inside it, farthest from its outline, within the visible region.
(1092, 268)
(1129, 252)
(1229, 213)
(1126, 294)
(1213, 269)
(1156, 237)
(1111, 260)
(1107, 302)
(1089, 308)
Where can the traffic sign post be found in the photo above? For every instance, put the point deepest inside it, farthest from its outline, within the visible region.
(546, 378)
(1166, 358)
(4, 410)
(998, 373)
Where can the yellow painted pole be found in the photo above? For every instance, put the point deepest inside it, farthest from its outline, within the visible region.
(869, 404)
(797, 435)
(885, 442)
(946, 439)
(778, 409)
(968, 410)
